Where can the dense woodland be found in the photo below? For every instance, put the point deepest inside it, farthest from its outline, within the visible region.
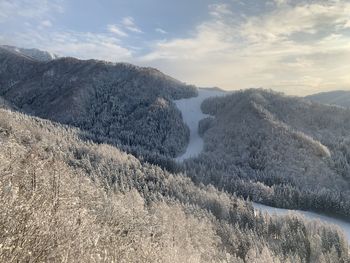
(279, 150)
(63, 199)
(119, 104)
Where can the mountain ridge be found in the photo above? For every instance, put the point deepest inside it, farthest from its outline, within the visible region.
(338, 97)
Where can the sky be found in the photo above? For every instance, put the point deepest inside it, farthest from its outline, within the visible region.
(298, 47)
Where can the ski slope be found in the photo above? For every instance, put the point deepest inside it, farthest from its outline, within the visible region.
(192, 114)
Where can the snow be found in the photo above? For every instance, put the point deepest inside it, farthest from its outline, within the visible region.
(192, 114)
(345, 226)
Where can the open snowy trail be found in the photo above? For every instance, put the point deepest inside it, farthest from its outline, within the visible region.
(345, 226)
(192, 114)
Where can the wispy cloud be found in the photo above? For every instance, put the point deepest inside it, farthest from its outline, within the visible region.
(116, 30)
(10, 9)
(219, 10)
(83, 45)
(46, 23)
(280, 2)
(306, 18)
(161, 31)
(129, 24)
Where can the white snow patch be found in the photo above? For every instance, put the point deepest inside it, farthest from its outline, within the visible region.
(343, 225)
(192, 114)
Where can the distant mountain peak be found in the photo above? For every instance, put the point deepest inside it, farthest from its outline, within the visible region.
(32, 53)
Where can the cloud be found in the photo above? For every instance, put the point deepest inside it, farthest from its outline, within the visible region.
(129, 24)
(298, 49)
(280, 2)
(116, 30)
(86, 45)
(46, 23)
(83, 45)
(347, 24)
(28, 23)
(161, 31)
(11, 10)
(219, 10)
(307, 18)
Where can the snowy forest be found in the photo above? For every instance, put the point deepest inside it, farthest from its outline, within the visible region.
(64, 199)
(279, 150)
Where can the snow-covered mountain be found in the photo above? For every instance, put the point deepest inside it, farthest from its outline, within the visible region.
(31, 53)
(121, 104)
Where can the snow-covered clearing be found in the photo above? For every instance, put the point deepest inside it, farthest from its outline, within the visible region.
(192, 114)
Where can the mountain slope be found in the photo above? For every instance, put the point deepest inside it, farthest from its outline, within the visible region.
(279, 150)
(339, 97)
(65, 199)
(5, 104)
(116, 103)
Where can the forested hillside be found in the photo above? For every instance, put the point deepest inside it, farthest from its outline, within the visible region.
(119, 104)
(338, 97)
(63, 199)
(279, 150)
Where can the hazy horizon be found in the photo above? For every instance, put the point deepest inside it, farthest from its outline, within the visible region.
(296, 47)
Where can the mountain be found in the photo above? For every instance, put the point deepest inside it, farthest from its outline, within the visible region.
(120, 104)
(338, 97)
(64, 198)
(32, 53)
(279, 150)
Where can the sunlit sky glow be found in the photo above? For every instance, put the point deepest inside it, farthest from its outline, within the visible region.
(294, 46)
